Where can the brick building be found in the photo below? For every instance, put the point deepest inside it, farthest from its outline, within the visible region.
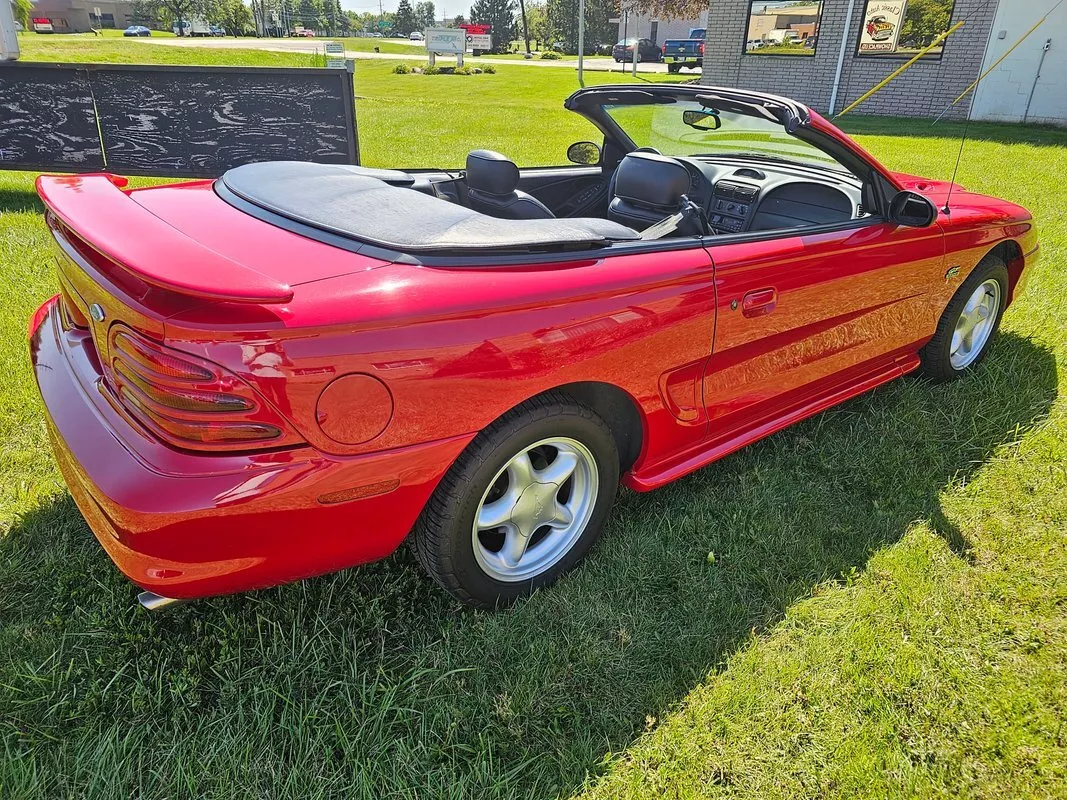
(827, 71)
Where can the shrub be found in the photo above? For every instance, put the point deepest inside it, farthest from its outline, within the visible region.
(489, 69)
(401, 69)
(551, 55)
(432, 71)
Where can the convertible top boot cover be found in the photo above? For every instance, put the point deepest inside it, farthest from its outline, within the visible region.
(371, 206)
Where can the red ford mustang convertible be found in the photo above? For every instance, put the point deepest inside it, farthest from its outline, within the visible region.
(294, 368)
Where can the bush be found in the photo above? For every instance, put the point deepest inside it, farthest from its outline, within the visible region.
(401, 69)
(551, 55)
(489, 69)
(431, 71)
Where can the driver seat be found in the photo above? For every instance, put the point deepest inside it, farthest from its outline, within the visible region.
(647, 189)
(491, 188)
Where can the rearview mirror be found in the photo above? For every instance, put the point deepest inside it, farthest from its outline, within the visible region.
(702, 120)
(585, 153)
(912, 210)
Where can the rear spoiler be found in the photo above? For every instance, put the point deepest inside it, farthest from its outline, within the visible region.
(101, 214)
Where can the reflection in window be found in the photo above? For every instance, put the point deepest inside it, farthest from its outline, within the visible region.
(903, 28)
(783, 28)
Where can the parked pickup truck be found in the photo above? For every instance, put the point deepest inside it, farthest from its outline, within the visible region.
(689, 52)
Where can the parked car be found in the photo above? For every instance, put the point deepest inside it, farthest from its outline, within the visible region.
(755, 44)
(416, 36)
(292, 369)
(217, 31)
(687, 53)
(193, 27)
(647, 50)
(137, 30)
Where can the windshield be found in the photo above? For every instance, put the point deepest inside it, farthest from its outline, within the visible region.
(664, 127)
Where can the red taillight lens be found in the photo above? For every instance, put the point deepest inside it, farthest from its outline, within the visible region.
(701, 48)
(187, 401)
(141, 354)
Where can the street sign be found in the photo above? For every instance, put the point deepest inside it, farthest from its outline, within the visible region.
(446, 40)
(385, 25)
(479, 41)
(335, 55)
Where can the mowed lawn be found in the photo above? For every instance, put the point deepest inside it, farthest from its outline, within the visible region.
(870, 604)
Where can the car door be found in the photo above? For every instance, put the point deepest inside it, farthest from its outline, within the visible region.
(805, 320)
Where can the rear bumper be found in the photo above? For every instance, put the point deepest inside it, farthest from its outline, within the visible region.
(187, 525)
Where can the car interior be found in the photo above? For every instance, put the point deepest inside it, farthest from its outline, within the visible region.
(616, 193)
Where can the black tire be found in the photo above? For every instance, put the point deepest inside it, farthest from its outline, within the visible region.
(936, 356)
(443, 538)
(673, 68)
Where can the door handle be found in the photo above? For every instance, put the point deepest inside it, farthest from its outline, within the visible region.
(759, 302)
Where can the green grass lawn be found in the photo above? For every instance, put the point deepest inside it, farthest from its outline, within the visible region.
(870, 604)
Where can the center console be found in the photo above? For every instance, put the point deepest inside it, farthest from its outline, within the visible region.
(732, 206)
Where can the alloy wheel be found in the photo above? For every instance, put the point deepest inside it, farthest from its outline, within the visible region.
(535, 509)
(975, 325)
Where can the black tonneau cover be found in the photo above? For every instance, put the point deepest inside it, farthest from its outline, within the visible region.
(371, 206)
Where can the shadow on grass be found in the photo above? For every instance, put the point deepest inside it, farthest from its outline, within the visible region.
(20, 200)
(371, 683)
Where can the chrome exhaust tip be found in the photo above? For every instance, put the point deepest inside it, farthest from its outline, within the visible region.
(155, 602)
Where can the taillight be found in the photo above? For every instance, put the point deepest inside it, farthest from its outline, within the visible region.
(701, 48)
(187, 401)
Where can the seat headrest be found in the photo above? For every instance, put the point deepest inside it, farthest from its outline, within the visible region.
(648, 179)
(491, 172)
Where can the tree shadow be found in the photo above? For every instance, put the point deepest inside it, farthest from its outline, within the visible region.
(373, 673)
(20, 200)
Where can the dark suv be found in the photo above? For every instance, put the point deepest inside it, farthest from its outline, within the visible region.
(647, 50)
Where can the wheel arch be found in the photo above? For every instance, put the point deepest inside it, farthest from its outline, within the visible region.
(1011, 253)
(619, 410)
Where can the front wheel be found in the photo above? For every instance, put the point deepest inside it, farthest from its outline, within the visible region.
(522, 504)
(969, 324)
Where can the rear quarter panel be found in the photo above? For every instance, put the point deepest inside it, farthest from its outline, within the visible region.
(458, 347)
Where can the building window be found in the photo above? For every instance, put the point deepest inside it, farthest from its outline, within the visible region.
(782, 28)
(903, 28)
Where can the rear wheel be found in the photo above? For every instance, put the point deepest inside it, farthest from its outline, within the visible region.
(673, 67)
(969, 324)
(522, 504)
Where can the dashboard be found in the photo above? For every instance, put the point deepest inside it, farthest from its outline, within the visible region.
(739, 198)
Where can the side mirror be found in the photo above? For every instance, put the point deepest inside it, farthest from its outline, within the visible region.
(912, 210)
(702, 120)
(585, 153)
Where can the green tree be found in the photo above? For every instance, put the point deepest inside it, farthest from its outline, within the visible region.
(458, 20)
(924, 21)
(563, 17)
(309, 14)
(22, 10)
(541, 29)
(404, 21)
(425, 14)
(232, 15)
(500, 16)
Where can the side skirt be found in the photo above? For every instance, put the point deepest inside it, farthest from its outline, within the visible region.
(714, 449)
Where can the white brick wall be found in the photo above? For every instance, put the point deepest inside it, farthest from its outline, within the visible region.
(923, 91)
(1003, 96)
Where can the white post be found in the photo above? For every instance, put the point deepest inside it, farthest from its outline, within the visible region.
(637, 51)
(581, 42)
(9, 42)
(840, 56)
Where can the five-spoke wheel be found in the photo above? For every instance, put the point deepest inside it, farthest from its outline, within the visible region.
(972, 317)
(522, 504)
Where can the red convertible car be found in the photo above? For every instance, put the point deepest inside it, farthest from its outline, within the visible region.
(294, 368)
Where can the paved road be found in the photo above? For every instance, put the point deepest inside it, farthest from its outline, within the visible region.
(315, 46)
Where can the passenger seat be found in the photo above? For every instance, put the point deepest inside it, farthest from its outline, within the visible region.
(491, 182)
